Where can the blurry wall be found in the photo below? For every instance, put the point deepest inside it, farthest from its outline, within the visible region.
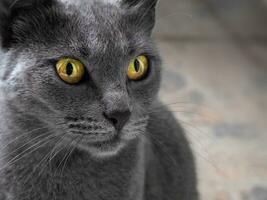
(209, 19)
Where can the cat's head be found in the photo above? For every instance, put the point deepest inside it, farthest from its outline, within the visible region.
(88, 69)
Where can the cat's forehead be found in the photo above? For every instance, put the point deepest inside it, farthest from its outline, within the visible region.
(79, 2)
(85, 7)
(99, 25)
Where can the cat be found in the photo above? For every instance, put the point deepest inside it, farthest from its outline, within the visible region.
(80, 115)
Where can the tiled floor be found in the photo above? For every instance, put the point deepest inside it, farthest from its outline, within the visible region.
(215, 65)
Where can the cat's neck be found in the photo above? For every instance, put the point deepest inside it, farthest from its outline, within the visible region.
(121, 175)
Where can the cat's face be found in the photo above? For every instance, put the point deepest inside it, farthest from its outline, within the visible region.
(106, 108)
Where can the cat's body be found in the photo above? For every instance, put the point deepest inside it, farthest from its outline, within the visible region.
(147, 159)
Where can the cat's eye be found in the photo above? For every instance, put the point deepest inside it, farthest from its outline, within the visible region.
(138, 68)
(70, 70)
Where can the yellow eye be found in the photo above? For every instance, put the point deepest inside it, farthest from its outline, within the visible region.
(138, 68)
(70, 70)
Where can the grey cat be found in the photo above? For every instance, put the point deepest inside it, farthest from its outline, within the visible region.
(94, 129)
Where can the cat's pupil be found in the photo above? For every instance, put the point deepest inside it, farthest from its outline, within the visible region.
(136, 65)
(69, 69)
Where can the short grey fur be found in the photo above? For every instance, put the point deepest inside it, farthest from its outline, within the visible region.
(56, 142)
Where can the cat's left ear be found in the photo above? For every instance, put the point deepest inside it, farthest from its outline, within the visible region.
(141, 13)
(10, 10)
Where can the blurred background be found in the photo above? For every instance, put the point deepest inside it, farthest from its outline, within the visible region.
(215, 81)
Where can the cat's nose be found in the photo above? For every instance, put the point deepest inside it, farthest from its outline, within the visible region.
(117, 109)
(118, 118)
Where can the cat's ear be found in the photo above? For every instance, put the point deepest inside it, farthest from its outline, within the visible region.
(9, 11)
(141, 12)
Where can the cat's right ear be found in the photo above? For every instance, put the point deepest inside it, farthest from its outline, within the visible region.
(9, 11)
(141, 13)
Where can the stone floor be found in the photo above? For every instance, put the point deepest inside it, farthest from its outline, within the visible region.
(215, 80)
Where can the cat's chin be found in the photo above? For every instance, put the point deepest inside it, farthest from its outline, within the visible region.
(103, 149)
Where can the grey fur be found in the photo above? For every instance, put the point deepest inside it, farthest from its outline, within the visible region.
(42, 157)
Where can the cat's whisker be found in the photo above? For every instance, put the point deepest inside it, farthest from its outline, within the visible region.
(187, 112)
(132, 129)
(131, 136)
(49, 156)
(5, 156)
(24, 154)
(54, 151)
(201, 146)
(211, 162)
(183, 103)
(71, 151)
(142, 120)
(197, 145)
(29, 119)
(43, 160)
(196, 137)
(193, 126)
(68, 144)
(137, 124)
(180, 102)
(23, 135)
(39, 165)
(28, 132)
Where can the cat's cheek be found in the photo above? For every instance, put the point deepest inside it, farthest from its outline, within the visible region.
(144, 94)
